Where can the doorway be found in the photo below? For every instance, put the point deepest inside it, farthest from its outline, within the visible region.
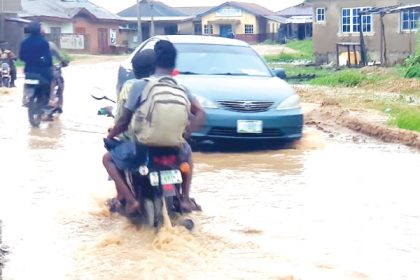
(225, 30)
(102, 40)
(301, 31)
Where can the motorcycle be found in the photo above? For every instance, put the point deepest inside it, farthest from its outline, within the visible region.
(5, 75)
(37, 95)
(156, 184)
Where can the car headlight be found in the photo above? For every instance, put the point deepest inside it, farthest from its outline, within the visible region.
(205, 103)
(292, 102)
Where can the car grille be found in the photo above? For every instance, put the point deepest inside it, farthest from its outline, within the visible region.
(223, 131)
(246, 106)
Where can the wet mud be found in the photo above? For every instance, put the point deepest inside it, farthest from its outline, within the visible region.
(325, 113)
(330, 117)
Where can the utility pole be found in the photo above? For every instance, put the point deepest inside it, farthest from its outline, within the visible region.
(152, 21)
(2, 21)
(139, 31)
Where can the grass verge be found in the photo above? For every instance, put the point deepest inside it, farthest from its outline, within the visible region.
(406, 119)
(304, 50)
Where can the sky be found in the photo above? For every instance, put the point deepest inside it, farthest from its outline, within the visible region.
(116, 6)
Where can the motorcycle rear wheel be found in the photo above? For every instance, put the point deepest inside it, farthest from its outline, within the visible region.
(6, 82)
(35, 112)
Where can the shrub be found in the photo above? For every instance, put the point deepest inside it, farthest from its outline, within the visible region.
(412, 71)
(407, 119)
(412, 63)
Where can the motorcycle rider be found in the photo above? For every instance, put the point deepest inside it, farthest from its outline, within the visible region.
(36, 54)
(9, 57)
(117, 159)
(143, 67)
(56, 53)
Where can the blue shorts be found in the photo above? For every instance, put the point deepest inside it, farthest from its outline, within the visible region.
(128, 155)
(185, 153)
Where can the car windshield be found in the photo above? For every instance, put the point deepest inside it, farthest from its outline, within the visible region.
(205, 59)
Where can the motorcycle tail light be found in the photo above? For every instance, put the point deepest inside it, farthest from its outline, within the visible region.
(165, 160)
(185, 168)
(168, 188)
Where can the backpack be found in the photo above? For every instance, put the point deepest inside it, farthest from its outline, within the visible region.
(163, 114)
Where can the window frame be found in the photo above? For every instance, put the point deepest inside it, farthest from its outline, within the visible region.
(350, 20)
(208, 29)
(318, 14)
(249, 29)
(411, 21)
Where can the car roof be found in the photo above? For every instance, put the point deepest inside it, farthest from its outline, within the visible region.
(201, 39)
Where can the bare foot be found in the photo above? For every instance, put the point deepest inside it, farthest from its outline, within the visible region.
(133, 208)
(187, 205)
(116, 205)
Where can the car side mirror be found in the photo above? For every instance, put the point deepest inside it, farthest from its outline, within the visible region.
(280, 73)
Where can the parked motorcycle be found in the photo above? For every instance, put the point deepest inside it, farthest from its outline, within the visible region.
(5, 74)
(156, 184)
(37, 96)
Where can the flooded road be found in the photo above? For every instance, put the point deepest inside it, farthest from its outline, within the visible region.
(328, 208)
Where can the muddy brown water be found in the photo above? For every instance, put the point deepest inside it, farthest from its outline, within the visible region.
(326, 208)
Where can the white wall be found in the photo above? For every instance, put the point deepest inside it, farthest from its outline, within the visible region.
(66, 27)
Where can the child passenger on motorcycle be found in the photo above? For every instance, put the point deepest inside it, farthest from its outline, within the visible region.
(128, 155)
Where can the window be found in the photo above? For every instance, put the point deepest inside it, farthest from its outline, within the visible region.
(356, 23)
(55, 35)
(346, 20)
(55, 30)
(208, 29)
(351, 21)
(249, 29)
(409, 19)
(367, 22)
(220, 59)
(320, 14)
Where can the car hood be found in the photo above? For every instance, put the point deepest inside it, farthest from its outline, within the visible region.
(248, 88)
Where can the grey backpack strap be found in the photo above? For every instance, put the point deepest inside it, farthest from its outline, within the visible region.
(168, 79)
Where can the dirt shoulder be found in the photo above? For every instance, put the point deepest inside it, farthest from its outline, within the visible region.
(93, 59)
(330, 109)
(273, 49)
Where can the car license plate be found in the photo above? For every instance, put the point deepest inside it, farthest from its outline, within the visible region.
(167, 177)
(247, 126)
